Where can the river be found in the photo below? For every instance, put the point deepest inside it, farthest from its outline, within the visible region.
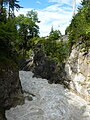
(44, 101)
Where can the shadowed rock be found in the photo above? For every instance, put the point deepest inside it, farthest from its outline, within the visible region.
(46, 67)
(10, 86)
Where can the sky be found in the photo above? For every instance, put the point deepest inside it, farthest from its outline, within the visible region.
(56, 13)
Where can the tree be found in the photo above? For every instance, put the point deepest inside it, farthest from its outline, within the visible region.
(27, 29)
(85, 3)
(79, 28)
(55, 49)
(8, 33)
(10, 5)
(55, 34)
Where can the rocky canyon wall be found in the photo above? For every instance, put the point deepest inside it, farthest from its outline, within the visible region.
(78, 68)
(10, 86)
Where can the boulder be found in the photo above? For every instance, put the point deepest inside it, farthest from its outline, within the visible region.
(46, 67)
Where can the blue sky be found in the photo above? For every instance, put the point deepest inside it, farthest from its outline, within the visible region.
(56, 13)
(37, 4)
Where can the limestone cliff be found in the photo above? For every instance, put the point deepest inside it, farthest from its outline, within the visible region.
(10, 86)
(78, 68)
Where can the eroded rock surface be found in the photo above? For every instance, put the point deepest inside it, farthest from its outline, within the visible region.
(78, 68)
(49, 102)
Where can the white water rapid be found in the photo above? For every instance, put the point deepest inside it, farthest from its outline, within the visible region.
(45, 101)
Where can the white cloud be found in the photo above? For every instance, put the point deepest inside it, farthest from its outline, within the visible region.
(68, 2)
(55, 15)
(78, 1)
(38, 2)
(65, 1)
(22, 11)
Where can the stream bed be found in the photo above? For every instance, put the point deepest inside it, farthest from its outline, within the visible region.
(44, 101)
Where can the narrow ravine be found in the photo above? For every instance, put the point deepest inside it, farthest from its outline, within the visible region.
(44, 101)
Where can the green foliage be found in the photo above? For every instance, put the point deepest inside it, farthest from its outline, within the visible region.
(79, 29)
(27, 29)
(11, 5)
(54, 47)
(54, 34)
(17, 34)
(8, 36)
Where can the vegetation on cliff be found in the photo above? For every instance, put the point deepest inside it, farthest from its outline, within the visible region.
(79, 28)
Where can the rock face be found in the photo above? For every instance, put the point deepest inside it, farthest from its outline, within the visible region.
(46, 67)
(26, 64)
(49, 102)
(10, 86)
(78, 68)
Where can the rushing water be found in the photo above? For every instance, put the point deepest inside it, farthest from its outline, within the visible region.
(45, 101)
